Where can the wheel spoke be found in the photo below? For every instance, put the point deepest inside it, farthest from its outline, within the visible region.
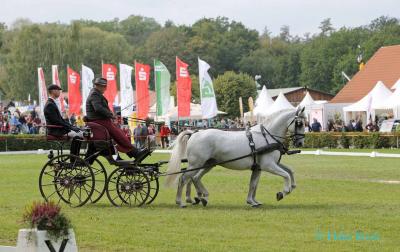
(48, 197)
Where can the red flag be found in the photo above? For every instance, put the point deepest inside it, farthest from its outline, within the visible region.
(56, 80)
(110, 73)
(74, 92)
(142, 75)
(183, 88)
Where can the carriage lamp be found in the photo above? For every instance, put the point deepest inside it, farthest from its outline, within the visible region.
(87, 133)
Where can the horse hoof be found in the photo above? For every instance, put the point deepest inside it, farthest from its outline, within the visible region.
(190, 201)
(293, 187)
(279, 196)
(256, 205)
(182, 206)
(204, 202)
(196, 201)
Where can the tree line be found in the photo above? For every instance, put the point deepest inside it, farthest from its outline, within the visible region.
(235, 52)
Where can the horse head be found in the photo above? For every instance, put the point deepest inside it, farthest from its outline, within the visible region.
(296, 127)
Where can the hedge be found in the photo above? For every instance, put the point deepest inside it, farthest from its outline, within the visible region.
(359, 140)
(312, 140)
(26, 142)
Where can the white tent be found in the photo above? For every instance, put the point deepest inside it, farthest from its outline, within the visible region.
(393, 102)
(153, 111)
(375, 99)
(307, 101)
(263, 103)
(281, 103)
(396, 85)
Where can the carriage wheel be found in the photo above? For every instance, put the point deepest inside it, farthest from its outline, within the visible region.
(128, 186)
(154, 188)
(100, 176)
(67, 178)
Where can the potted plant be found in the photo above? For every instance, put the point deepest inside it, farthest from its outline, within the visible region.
(49, 229)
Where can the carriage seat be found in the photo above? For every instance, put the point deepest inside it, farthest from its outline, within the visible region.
(98, 132)
(53, 137)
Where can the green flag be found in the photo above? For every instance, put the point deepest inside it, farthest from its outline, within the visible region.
(162, 83)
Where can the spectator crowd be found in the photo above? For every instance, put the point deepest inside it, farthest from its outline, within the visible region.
(12, 121)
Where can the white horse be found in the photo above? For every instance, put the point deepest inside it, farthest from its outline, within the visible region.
(208, 147)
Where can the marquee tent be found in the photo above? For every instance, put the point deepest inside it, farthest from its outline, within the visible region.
(375, 99)
(264, 102)
(307, 101)
(397, 84)
(393, 102)
(281, 103)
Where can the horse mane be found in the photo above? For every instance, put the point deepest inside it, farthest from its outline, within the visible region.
(267, 120)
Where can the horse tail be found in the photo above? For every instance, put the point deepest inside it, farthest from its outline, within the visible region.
(178, 152)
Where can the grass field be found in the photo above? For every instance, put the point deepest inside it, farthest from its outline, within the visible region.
(342, 195)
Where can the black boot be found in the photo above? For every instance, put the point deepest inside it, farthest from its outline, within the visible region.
(137, 154)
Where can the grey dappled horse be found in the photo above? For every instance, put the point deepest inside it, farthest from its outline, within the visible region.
(207, 147)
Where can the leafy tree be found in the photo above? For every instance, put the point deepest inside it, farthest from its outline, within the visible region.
(326, 27)
(163, 45)
(285, 33)
(314, 60)
(137, 29)
(229, 87)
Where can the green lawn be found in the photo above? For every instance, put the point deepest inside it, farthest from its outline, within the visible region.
(334, 194)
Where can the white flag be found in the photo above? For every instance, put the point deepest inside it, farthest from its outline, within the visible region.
(42, 91)
(126, 90)
(208, 102)
(87, 85)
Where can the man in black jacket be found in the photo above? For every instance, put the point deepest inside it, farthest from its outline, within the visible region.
(97, 111)
(53, 118)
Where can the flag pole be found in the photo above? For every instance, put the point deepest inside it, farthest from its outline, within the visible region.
(155, 87)
(68, 90)
(177, 100)
(136, 95)
(102, 73)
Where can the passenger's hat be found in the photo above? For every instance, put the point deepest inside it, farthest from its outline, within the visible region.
(100, 81)
(53, 87)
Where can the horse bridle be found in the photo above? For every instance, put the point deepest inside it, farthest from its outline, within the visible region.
(294, 137)
(298, 123)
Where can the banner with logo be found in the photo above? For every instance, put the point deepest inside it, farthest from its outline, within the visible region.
(109, 72)
(87, 85)
(183, 88)
(42, 91)
(142, 75)
(74, 92)
(56, 80)
(162, 79)
(208, 102)
(126, 90)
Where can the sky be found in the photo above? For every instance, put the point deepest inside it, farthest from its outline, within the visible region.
(302, 16)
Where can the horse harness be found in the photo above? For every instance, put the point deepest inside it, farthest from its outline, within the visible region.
(271, 146)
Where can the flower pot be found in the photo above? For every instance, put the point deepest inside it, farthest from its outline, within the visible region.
(33, 240)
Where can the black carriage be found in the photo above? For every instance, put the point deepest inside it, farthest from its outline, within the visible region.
(82, 178)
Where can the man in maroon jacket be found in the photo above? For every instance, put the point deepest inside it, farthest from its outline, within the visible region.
(97, 111)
